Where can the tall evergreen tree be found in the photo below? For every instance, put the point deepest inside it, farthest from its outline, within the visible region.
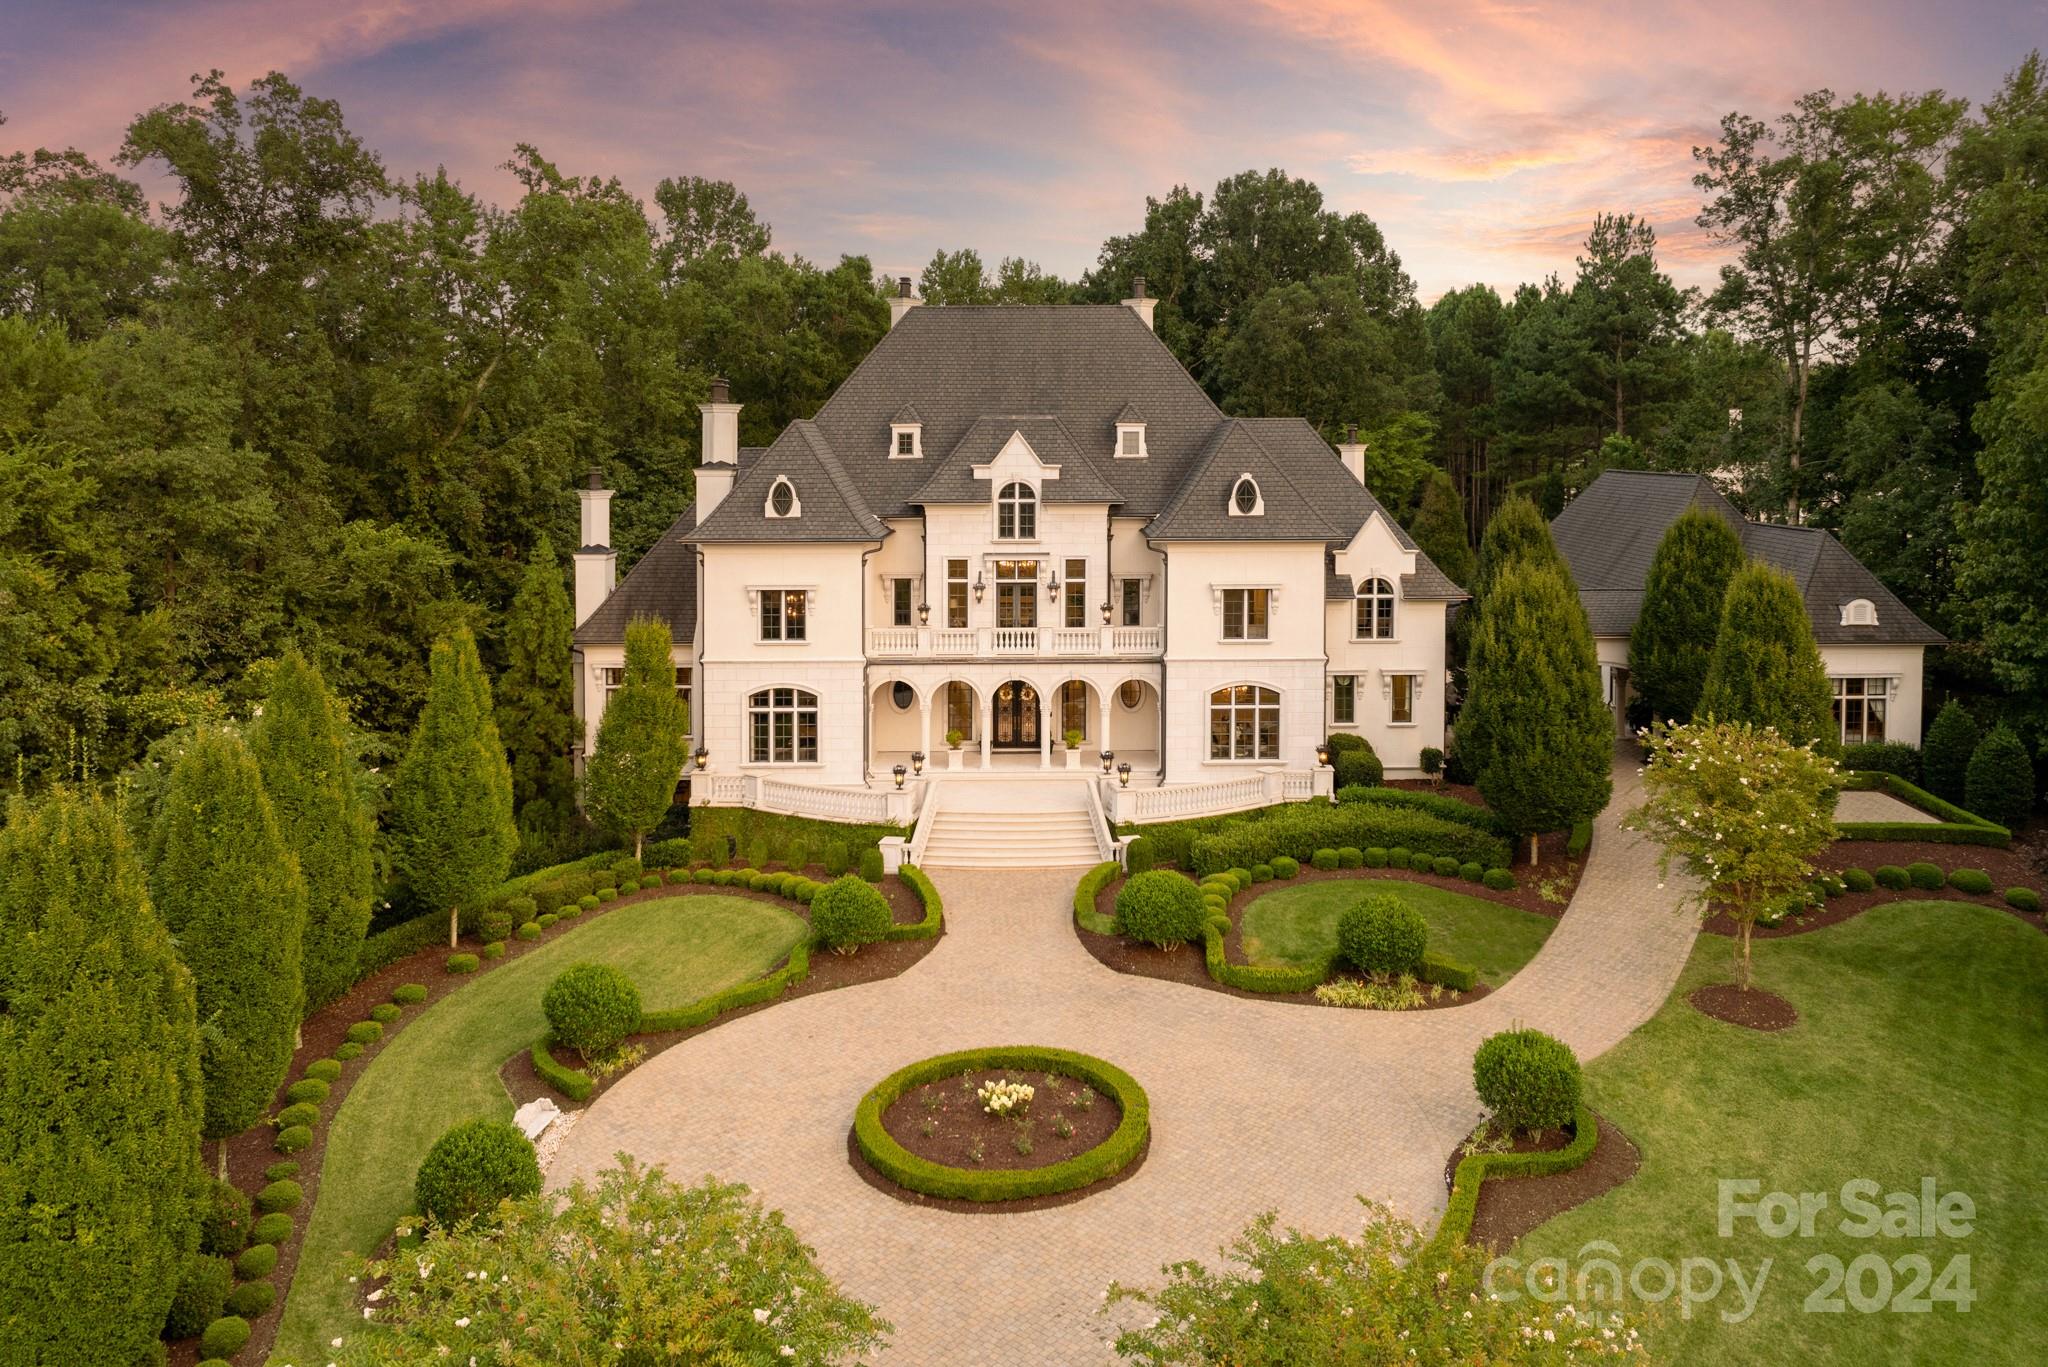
(1440, 529)
(1516, 534)
(1535, 685)
(1673, 639)
(2000, 785)
(537, 697)
(99, 1092)
(1766, 670)
(451, 803)
(629, 780)
(228, 887)
(309, 777)
(1945, 754)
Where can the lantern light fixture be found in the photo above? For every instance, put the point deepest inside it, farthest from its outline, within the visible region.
(1322, 754)
(924, 614)
(917, 762)
(899, 771)
(1123, 773)
(703, 757)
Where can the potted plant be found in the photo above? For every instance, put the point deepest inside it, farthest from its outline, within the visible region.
(1073, 740)
(953, 739)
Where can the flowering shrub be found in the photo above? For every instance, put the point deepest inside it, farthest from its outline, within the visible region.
(636, 1269)
(1004, 1097)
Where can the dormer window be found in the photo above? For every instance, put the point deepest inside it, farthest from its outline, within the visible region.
(1859, 612)
(1245, 498)
(906, 441)
(1130, 440)
(782, 499)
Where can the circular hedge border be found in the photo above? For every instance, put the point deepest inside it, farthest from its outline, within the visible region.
(907, 1170)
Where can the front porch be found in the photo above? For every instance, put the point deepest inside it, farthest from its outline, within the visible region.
(968, 763)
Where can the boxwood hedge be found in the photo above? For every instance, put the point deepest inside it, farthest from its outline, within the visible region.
(1476, 1168)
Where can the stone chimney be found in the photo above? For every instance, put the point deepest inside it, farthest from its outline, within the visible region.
(904, 301)
(597, 564)
(1352, 452)
(1138, 303)
(718, 460)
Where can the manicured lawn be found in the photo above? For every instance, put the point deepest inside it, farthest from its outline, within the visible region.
(1921, 1052)
(1298, 925)
(443, 1069)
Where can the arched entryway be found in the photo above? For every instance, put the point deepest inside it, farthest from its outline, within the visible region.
(1016, 716)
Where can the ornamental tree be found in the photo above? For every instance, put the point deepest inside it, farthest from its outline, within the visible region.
(1673, 640)
(1739, 809)
(629, 781)
(228, 887)
(1945, 756)
(99, 1091)
(451, 802)
(1766, 670)
(537, 696)
(1534, 694)
(310, 779)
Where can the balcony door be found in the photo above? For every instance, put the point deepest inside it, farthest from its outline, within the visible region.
(1016, 593)
(1016, 717)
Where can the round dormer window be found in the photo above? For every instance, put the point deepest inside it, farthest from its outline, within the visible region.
(1244, 499)
(782, 499)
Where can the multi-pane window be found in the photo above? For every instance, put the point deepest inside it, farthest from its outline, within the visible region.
(782, 725)
(614, 679)
(1016, 593)
(1133, 595)
(1073, 700)
(956, 593)
(1077, 593)
(899, 601)
(1245, 614)
(782, 614)
(683, 683)
(960, 709)
(1375, 611)
(1344, 699)
(1244, 723)
(1401, 699)
(1017, 513)
(1130, 441)
(1860, 708)
(906, 443)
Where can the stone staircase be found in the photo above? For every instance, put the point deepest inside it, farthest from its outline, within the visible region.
(1037, 825)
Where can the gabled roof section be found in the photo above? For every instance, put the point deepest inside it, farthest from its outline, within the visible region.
(905, 415)
(833, 509)
(663, 584)
(1129, 413)
(1201, 510)
(1079, 481)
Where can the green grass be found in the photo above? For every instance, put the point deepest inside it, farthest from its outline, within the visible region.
(1297, 926)
(1922, 1051)
(443, 1069)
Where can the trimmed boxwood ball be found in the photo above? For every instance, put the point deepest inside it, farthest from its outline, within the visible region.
(409, 994)
(366, 1032)
(493, 950)
(326, 1069)
(530, 931)
(461, 963)
(1471, 871)
(607, 894)
(202, 1290)
(1974, 881)
(1892, 877)
(293, 1138)
(224, 1337)
(345, 1052)
(1241, 877)
(474, 1166)
(307, 1089)
(1324, 859)
(1380, 933)
(1140, 855)
(1286, 866)
(273, 1229)
(278, 1171)
(1160, 908)
(1444, 866)
(591, 1007)
(386, 1012)
(1527, 1079)
(588, 901)
(1398, 857)
(257, 1261)
(1420, 862)
(223, 1219)
(1350, 857)
(544, 922)
(2023, 899)
(1262, 873)
(1924, 876)
(568, 909)
(298, 1113)
(250, 1299)
(1858, 880)
(849, 913)
(494, 923)
(1500, 880)
(284, 1195)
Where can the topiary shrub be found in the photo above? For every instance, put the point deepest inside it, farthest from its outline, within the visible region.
(1883, 757)
(260, 1260)
(307, 1089)
(1999, 784)
(871, 864)
(277, 1172)
(298, 1113)
(1353, 761)
(588, 901)
(836, 858)
(284, 1195)
(461, 963)
(494, 950)
(1924, 876)
(1324, 859)
(607, 894)
(494, 923)
(530, 931)
(1286, 866)
(1527, 1079)
(2023, 899)
(1242, 877)
(1973, 881)
(273, 1229)
(1444, 866)
(224, 1337)
(223, 1220)
(293, 1138)
(409, 994)
(250, 1299)
(591, 1008)
(1380, 933)
(472, 1168)
(1500, 880)
(850, 913)
(386, 1012)
(365, 1032)
(1160, 908)
(326, 1069)
(202, 1290)
(1471, 871)
(344, 1052)
(1398, 857)
(1139, 856)
(1350, 857)
(568, 909)
(1858, 880)
(1262, 873)
(1892, 877)
(1422, 863)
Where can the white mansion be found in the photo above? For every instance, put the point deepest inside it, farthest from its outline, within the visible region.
(1011, 525)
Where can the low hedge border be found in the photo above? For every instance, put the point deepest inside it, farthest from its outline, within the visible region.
(1475, 1168)
(1956, 827)
(1581, 840)
(1093, 882)
(907, 1170)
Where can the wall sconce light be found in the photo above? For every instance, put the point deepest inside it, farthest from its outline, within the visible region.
(899, 771)
(1052, 585)
(917, 762)
(979, 587)
(924, 614)
(1123, 773)
(1108, 757)
(1105, 612)
(1322, 754)
(703, 757)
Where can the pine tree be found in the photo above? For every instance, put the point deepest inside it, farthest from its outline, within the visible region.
(228, 888)
(537, 697)
(1535, 686)
(629, 781)
(2000, 784)
(1440, 529)
(1766, 670)
(1945, 757)
(1673, 640)
(451, 803)
(310, 780)
(99, 1092)
(1517, 533)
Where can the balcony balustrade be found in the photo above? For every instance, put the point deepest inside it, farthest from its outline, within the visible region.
(928, 643)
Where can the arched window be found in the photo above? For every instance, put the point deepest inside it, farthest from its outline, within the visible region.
(1374, 619)
(1244, 723)
(1245, 498)
(782, 500)
(1017, 513)
(782, 724)
(1859, 612)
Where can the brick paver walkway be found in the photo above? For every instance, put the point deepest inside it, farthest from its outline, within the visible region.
(1256, 1105)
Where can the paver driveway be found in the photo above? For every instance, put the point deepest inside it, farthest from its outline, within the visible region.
(1255, 1105)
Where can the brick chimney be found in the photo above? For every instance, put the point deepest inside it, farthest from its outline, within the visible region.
(1138, 303)
(904, 301)
(718, 459)
(597, 564)
(1352, 452)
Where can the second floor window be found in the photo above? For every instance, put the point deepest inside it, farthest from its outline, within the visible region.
(1017, 513)
(1076, 589)
(899, 602)
(1375, 614)
(1133, 601)
(956, 593)
(1245, 614)
(782, 614)
(1344, 699)
(1016, 593)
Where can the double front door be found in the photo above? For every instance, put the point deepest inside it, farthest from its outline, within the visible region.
(1016, 717)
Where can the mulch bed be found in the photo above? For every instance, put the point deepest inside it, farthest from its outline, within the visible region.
(963, 1135)
(866, 1172)
(1754, 1009)
(1510, 1207)
(253, 1150)
(2007, 868)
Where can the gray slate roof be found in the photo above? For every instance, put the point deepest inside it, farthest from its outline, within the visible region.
(1202, 511)
(1610, 532)
(1080, 479)
(663, 584)
(831, 509)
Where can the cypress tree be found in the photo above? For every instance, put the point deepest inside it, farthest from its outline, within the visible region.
(629, 781)
(310, 780)
(99, 1092)
(1945, 758)
(1440, 529)
(1516, 534)
(1535, 686)
(228, 887)
(1673, 640)
(1766, 670)
(451, 802)
(2000, 783)
(537, 697)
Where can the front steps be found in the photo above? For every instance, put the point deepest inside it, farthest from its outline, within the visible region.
(1044, 835)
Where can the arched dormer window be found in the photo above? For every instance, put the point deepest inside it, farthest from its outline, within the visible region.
(1245, 498)
(782, 499)
(1859, 612)
(1017, 512)
(1374, 615)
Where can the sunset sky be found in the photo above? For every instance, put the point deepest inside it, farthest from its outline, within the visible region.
(1482, 135)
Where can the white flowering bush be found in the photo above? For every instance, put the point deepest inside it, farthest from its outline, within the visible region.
(1003, 1097)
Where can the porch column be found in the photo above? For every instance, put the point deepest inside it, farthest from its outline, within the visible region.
(1102, 721)
(924, 732)
(987, 706)
(1045, 721)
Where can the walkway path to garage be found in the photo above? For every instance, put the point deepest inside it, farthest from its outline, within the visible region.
(1255, 1105)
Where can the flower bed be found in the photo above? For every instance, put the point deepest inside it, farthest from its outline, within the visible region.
(994, 1178)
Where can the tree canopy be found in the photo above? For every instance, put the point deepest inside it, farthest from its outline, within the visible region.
(1765, 668)
(643, 740)
(1673, 640)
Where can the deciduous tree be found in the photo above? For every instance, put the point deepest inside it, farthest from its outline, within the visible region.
(1673, 640)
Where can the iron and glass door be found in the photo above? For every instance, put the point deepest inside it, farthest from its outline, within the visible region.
(1016, 717)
